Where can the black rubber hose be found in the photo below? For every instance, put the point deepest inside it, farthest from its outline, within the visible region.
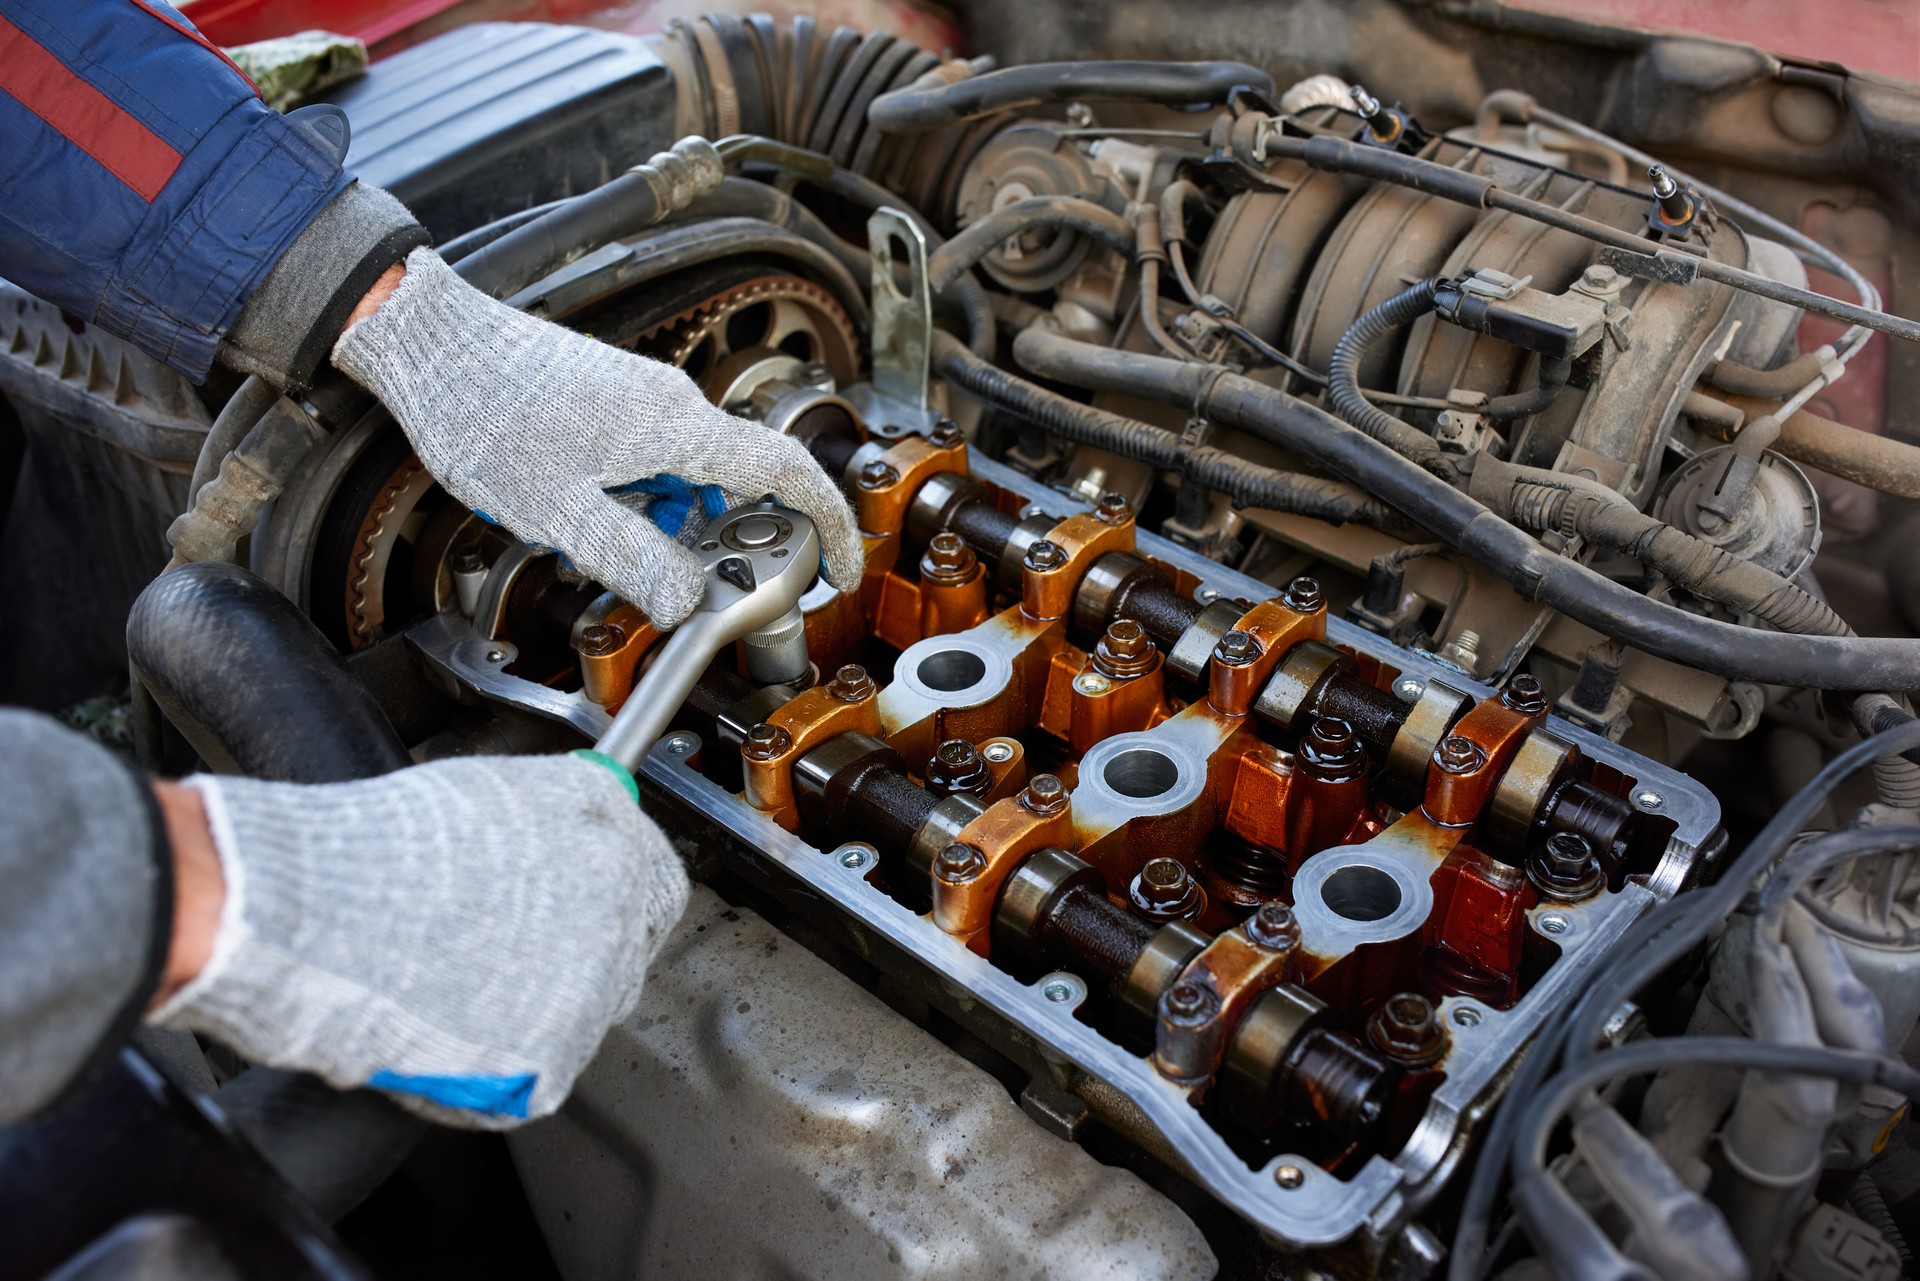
(256, 688)
(251, 681)
(1248, 484)
(916, 110)
(1343, 379)
(530, 251)
(1613, 609)
(744, 198)
(1064, 213)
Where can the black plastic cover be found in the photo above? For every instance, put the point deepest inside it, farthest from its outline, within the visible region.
(494, 118)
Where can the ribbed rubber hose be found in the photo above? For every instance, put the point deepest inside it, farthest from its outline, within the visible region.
(1350, 402)
(1248, 484)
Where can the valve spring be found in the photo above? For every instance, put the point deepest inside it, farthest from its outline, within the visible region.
(1256, 868)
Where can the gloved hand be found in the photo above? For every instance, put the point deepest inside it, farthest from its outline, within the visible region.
(461, 934)
(532, 423)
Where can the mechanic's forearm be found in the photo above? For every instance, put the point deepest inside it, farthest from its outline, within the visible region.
(199, 887)
(86, 911)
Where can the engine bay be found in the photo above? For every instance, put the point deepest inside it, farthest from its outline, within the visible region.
(1332, 565)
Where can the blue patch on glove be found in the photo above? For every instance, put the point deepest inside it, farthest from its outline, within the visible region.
(672, 500)
(487, 1095)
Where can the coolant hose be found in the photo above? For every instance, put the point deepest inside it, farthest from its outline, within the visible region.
(1248, 484)
(257, 689)
(918, 110)
(1613, 609)
(1351, 403)
(251, 681)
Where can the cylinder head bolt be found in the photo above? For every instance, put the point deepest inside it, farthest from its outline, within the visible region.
(1564, 870)
(601, 640)
(1166, 891)
(1274, 927)
(959, 864)
(1407, 1030)
(1331, 751)
(1045, 556)
(1303, 595)
(1114, 509)
(1125, 650)
(1045, 795)
(851, 684)
(767, 742)
(1237, 649)
(957, 766)
(1457, 755)
(948, 559)
(1525, 694)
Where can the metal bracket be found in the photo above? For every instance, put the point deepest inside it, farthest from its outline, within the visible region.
(1662, 266)
(902, 321)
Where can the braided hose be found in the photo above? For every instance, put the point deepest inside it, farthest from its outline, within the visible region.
(1346, 399)
(1693, 563)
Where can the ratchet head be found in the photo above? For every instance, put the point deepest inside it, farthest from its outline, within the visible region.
(758, 560)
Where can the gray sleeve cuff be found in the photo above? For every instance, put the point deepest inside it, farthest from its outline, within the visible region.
(87, 912)
(284, 332)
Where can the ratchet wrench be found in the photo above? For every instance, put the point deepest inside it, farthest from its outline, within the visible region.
(759, 560)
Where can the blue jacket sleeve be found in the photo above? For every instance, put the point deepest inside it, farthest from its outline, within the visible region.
(145, 186)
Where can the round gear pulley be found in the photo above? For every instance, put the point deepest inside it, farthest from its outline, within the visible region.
(386, 527)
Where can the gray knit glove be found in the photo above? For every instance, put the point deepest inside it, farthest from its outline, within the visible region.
(531, 423)
(460, 934)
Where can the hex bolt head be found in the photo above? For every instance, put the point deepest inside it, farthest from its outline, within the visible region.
(947, 434)
(598, 640)
(1275, 927)
(1565, 869)
(851, 684)
(1237, 649)
(468, 560)
(1165, 891)
(948, 559)
(1188, 1004)
(1303, 595)
(766, 742)
(1407, 1029)
(878, 475)
(1114, 508)
(1525, 694)
(958, 864)
(1457, 755)
(957, 767)
(1124, 650)
(1045, 556)
(1331, 749)
(1045, 794)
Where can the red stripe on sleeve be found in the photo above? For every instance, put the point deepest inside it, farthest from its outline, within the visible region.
(83, 115)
